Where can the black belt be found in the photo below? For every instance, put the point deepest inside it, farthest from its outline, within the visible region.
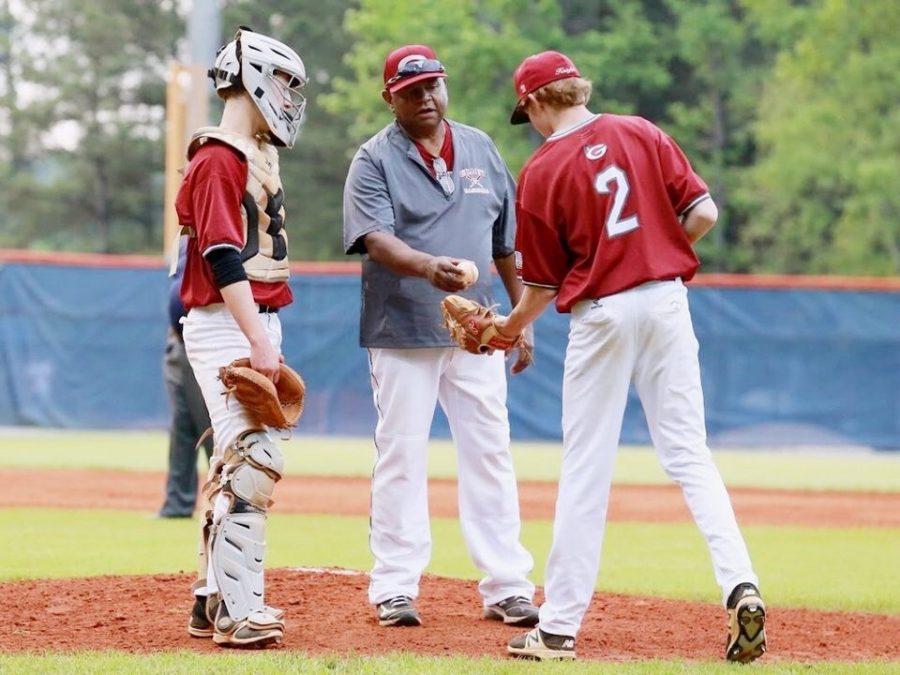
(268, 309)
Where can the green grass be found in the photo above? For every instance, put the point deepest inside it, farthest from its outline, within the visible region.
(840, 569)
(278, 662)
(343, 456)
(822, 568)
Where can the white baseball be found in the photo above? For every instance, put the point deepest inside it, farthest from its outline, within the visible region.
(470, 271)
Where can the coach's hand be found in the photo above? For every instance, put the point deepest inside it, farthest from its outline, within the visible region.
(445, 274)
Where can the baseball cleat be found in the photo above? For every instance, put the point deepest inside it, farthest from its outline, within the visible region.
(516, 611)
(536, 644)
(258, 630)
(398, 611)
(746, 625)
(203, 615)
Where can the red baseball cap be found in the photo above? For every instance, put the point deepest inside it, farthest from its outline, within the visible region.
(536, 71)
(419, 60)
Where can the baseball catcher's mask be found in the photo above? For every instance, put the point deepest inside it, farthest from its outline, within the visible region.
(272, 73)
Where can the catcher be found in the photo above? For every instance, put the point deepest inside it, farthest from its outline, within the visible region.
(236, 280)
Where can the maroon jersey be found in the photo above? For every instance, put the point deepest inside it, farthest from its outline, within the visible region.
(598, 209)
(210, 202)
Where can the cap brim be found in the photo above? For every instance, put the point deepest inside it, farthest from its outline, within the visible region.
(519, 116)
(406, 82)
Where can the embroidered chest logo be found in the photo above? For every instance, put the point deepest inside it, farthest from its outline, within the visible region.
(473, 178)
(595, 151)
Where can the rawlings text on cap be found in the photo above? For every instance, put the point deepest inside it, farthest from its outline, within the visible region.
(536, 71)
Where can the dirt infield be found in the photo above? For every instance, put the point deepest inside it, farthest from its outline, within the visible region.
(118, 612)
(350, 497)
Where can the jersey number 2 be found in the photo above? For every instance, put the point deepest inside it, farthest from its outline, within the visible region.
(615, 223)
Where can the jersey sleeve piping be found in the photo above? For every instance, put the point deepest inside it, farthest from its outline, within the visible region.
(220, 245)
(694, 203)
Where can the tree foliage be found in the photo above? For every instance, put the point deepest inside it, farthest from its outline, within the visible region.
(788, 108)
(313, 170)
(712, 105)
(481, 43)
(828, 124)
(84, 102)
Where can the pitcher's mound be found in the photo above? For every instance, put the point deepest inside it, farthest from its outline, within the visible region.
(327, 612)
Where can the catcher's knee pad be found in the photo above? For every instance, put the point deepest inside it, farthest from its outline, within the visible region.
(251, 468)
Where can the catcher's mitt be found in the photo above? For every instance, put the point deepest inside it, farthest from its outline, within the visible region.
(274, 405)
(471, 326)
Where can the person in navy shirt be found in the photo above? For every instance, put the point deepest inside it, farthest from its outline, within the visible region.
(189, 418)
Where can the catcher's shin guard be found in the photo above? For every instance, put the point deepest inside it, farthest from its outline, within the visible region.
(237, 548)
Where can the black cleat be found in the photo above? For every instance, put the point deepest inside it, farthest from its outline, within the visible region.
(398, 611)
(516, 611)
(746, 625)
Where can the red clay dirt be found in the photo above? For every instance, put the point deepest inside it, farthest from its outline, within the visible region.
(149, 614)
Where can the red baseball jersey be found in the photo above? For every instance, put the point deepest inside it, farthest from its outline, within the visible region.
(210, 202)
(598, 206)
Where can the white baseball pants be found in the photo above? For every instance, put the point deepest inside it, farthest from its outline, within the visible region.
(213, 339)
(406, 385)
(642, 336)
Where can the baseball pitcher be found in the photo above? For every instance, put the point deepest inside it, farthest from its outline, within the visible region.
(608, 210)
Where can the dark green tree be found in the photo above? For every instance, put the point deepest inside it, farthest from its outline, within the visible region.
(482, 43)
(87, 124)
(825, 186)
(713, 101)
(313, 171)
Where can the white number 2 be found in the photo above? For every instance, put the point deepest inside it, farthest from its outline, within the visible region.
(615, 224)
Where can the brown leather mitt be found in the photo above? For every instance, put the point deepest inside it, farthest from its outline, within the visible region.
(471, 326)
(273, 405)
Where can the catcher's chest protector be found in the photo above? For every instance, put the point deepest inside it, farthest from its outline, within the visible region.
(266, 243)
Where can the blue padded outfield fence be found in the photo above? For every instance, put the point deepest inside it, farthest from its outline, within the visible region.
(785, 361)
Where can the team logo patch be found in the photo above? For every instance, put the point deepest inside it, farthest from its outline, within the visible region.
(518, 260)
(595, 151)
(473, 178)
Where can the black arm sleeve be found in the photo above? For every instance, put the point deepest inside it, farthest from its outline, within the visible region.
(226, 266)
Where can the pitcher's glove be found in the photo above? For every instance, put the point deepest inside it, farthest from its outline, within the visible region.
(471, 326)
(273, 405)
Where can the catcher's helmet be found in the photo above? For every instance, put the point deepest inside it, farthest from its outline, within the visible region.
(253, 59)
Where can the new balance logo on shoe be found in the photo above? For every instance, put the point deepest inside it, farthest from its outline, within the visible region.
(515, 611)
(398, 611)
(746, 640)
(536, 644)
